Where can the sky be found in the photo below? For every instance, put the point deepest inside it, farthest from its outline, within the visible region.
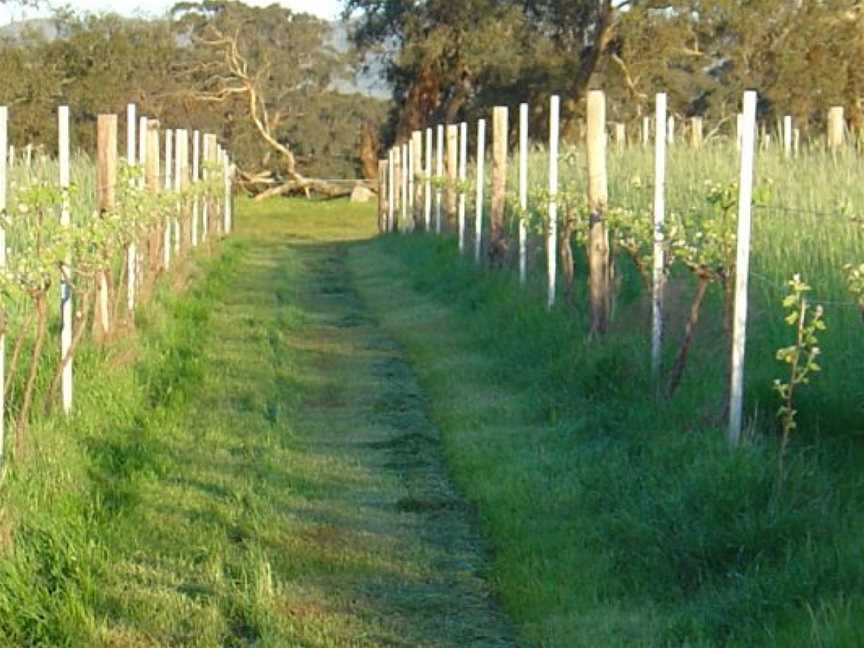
(322, 8)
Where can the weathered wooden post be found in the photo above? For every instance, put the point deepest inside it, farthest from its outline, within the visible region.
(391, 181)
(478, 196)
(552, 215)
(452, 171)
(196, 177)
(670, 133)
(106, 181)
(382, 196)
(417, 157)
(66, 270)
(169, 167)
(598, 238)
(787, 136)
(497, 237)
(620, 136)
(397, 189)
(742, 268)
(411, 163)
(406, 190)
(659, 261)
(143, 127)
(132, 248)
(181, 162)
(151, 177)
(696, 132)
(523, 192)
(646, 131)
(836, 128)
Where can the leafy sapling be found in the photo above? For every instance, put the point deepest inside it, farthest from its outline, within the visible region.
(807, 320)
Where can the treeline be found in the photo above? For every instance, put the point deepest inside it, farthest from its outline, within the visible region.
(453, 60)
(261, 78)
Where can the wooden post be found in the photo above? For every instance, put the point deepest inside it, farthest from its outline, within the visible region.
(196, 177)
(406, 195)
(552, 222)
(397, 187)
(796, 141)
(132, 248)
(181, 182)
(382, 196)
(65, 285)
(523, 192)
(228, 206)
(4, 144)
(427, 193)
(598, 237)
(646, 131)
(659, 267)
(479, 180)
(463, 174)
(417, 156)
(207, 142)
(409, 152)
(742, 268)
(151, 160)
(787, 136)
(836, 127)
(391, 175)
(143, 129)
(439, 173)
(620, 136)
(696, 132)
(670, 135)
(452, 170)
(106, 181)
(169, 167)
(497, 236)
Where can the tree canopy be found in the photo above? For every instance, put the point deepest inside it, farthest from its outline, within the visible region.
(195, 67)
(449, 61)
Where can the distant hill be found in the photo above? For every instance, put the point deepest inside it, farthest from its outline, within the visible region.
(368, 83)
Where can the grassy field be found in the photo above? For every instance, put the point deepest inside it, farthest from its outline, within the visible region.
(269, 462)
(255, 468)
(618, 520)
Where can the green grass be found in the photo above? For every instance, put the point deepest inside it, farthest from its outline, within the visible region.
(254, 468)
(618, 520)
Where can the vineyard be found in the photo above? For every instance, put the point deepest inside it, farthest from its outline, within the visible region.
(669, 211)
(84, 242)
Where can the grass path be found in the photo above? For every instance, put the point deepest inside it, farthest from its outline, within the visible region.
(300, 498)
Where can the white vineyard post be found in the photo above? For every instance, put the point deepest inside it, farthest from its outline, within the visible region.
(742, 268)
(658, 275)
(523, 192)
(439, 173)
(132, 249)
(427, 193)
(787, 136)
(4, 139)
(463, 174)
(478, 198)
(552, 224)
(169, 167)
(196, 175)
(65, 285)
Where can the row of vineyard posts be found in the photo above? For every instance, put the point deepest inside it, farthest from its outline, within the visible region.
(100, 249)
(424, 187)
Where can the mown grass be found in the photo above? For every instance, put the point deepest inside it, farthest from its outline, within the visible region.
(618, 519)
(243, 472)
